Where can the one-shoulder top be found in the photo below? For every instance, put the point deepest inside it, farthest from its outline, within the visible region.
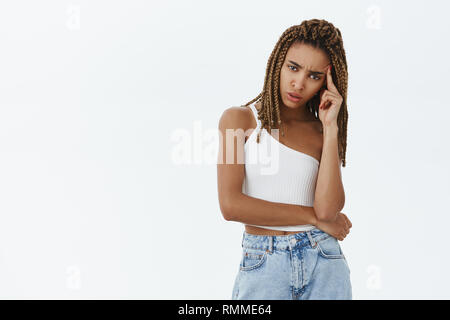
(278, 173)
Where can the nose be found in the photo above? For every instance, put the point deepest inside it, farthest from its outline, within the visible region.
(298, 83)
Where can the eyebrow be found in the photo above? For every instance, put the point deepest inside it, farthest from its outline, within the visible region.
(300, 66)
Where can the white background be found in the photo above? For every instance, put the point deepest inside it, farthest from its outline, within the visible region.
(95, 202)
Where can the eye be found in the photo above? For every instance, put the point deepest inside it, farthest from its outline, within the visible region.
(314, 77)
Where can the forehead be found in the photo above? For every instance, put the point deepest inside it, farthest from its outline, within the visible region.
(306, 55)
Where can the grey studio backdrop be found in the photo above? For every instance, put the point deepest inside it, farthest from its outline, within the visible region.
(108, 141)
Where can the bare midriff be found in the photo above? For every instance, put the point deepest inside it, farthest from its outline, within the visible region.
(267, 232)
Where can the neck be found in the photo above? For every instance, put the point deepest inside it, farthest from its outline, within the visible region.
(300, 113)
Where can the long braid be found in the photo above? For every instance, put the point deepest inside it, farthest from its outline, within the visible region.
(320, 34)
(277, 83)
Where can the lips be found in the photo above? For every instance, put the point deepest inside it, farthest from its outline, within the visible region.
(295, 95)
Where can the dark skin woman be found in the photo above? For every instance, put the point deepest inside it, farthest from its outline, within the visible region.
(301, 100)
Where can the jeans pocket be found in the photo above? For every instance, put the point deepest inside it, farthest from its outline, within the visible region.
(329, 248)
(252, 259)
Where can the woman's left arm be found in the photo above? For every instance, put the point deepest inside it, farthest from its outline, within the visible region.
(329, 198)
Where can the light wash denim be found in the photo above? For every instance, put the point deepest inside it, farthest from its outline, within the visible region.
(306, 265)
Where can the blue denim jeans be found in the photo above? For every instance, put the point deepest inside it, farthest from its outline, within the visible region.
(306, 265)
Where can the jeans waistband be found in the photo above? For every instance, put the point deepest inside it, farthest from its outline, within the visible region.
(285, 242)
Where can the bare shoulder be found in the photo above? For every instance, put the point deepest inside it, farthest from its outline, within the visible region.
(236, 118)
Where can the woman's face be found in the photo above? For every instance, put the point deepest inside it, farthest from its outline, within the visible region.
(303, 73)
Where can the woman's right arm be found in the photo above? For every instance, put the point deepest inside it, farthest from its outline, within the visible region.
(234, 205)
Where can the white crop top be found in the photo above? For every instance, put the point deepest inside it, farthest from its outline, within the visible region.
(277, 173)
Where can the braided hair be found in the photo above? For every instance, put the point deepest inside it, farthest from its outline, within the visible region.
(319, 34)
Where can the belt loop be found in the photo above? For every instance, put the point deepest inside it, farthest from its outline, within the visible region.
(311, 240)
(271, 244)
(243, 236)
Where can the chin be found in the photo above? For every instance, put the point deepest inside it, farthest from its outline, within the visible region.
(290, 104)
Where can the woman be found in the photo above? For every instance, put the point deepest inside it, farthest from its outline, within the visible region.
(291, 211)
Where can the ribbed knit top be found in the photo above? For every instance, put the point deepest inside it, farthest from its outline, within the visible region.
(277, 173)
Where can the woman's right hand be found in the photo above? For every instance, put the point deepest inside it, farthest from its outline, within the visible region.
(338, 228)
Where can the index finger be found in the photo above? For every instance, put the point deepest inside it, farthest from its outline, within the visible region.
(330, 83)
